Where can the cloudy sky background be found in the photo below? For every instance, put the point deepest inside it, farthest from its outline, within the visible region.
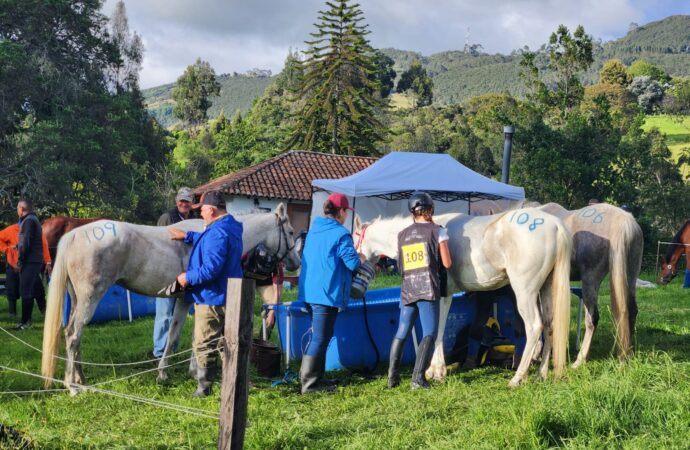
(238, 35)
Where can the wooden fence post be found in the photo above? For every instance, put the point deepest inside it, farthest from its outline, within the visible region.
(234, 394)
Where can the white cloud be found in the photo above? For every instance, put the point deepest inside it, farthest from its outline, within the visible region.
(237, 35)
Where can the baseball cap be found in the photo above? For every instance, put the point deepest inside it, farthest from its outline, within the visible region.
(185, 194)
(339, 201)
(212, 198)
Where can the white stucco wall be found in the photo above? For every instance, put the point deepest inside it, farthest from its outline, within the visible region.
(242, 205)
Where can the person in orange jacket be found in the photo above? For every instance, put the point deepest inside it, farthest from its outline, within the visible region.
(9, 238)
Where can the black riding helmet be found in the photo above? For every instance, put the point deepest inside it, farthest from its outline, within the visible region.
(419, 200)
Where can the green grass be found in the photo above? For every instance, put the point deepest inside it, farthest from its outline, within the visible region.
(642, 404)
(677, 134)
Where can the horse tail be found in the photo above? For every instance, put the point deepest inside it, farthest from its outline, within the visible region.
(625, 259)
(53, 315)
(560, 297)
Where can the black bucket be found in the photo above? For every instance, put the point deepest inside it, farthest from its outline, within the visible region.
(265, 356)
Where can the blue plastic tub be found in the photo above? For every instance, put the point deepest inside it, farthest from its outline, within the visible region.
(113, 306)
(350, 346)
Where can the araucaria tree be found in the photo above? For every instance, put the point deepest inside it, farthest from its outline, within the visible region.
(338, 95)
(192, 93)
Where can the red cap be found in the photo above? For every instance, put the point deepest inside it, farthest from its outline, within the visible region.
(339, 201)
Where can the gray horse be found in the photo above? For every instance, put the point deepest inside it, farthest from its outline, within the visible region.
(140, 258)
(606, 239)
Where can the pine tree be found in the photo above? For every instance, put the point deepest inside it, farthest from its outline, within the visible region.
(125, 73)
(339, 108)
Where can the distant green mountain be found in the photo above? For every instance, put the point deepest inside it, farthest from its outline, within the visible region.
(237, 92)
(459, 75)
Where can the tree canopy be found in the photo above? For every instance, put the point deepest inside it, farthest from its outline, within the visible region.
(338, 105)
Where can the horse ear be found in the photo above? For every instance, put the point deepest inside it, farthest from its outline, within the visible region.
(280, 210)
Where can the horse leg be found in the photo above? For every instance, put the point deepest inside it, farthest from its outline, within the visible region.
(178, 320)
(529, 311)
(590, 294)
(546, 302)
(81, 315)
(437, 369)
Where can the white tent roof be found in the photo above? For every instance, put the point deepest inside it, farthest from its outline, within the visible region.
(398, 173)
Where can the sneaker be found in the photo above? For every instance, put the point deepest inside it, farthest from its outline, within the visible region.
(23, 326)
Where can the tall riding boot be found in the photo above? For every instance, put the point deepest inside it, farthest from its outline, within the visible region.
(310, 375)
(424, 353)
(204, 378)
(397, 347)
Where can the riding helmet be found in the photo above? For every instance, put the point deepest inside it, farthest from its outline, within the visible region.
(419, 200)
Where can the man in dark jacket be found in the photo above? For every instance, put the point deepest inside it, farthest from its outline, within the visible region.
(215, 257)
(165, 306)
(30, 260)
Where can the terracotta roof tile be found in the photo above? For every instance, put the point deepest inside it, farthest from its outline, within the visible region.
(288, 175)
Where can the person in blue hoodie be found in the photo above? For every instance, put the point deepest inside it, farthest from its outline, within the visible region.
(328, 260)
(215, 257)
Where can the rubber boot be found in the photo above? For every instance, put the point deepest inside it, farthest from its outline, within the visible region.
(204, 378)
(397, 347)
(424, 353)
(310, 374)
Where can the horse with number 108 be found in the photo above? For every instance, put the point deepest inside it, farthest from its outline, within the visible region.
(527, 248)
(140, 258)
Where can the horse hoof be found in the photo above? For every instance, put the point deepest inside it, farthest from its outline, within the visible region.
(436, 373)
(161, 378)
(515, 382)
(576, 364)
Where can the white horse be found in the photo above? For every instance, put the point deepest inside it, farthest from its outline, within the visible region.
(140, 258)
(606, 239)
(526, 248)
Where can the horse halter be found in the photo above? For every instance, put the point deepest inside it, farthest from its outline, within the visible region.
(282, 235)
(360, 236)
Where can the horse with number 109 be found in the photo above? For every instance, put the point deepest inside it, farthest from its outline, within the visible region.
(526, 248)
(140, 258)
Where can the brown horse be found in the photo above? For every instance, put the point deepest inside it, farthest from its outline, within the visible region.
(55, 227)
(679, 246)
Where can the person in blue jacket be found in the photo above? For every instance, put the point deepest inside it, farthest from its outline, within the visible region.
(215, 257)
(328, 260)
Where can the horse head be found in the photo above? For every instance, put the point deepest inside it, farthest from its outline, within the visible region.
(283, 243)
(371, 239)
(668, 271)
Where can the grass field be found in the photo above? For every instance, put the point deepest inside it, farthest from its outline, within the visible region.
(677, 133)
(642, 404)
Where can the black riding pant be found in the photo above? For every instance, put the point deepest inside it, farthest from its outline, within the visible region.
(30, 287)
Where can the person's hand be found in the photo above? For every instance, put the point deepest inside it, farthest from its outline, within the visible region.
(176, 234)
(49, 269)
(182, 279)
(362, 258)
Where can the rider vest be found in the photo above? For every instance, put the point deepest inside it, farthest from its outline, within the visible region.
(419, 262)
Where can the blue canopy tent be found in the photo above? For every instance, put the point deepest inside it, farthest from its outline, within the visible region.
(381, 189)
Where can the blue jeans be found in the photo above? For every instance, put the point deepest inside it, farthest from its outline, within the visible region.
(428, 314)
(322, 324)
(161, 325)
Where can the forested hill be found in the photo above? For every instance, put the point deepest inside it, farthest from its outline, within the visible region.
(237, 92)
(459, 75)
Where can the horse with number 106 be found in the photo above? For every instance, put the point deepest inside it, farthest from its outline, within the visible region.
(526, 248)
(140, 258)
(606, 240)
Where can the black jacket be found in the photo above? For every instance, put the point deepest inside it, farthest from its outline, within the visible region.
(30, 245)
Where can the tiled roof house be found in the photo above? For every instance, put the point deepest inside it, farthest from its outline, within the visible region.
(284, 178)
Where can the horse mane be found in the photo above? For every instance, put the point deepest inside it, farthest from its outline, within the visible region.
(675, 240)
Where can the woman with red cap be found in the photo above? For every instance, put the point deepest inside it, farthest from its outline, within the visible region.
(328, 261)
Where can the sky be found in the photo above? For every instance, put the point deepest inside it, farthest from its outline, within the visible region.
(239, 35)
